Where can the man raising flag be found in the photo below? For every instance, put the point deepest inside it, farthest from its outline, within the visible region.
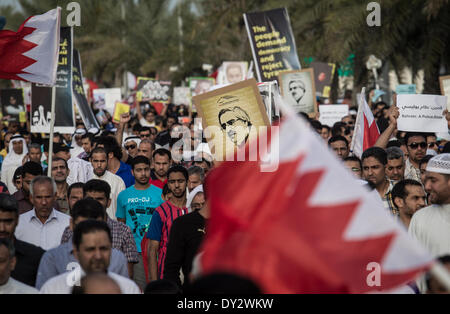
(31, 53)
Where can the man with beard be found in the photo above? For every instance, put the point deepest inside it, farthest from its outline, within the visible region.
(374, 162)
(162, 160)
(92, 248)
(135, 207)
(80, 170)
(60, 172)
(409, 197)
(430, 225)
(17, 150)
(416, 143)
(99, 162)
(395, 168)
(162, 220)
(30, 170)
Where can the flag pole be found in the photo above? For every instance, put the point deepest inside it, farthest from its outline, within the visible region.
(442, 275)
(52, 126)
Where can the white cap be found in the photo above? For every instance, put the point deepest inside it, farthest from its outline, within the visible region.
(439, 164)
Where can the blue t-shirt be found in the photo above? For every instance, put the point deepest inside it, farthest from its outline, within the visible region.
(137, 207)
(125, 173)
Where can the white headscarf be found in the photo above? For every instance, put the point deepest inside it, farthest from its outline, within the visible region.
(198, 189)
(13, 159)
(12, 162)
(135, 139)
(77, 149)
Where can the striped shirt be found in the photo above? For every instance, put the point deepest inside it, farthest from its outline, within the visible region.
(159, 229)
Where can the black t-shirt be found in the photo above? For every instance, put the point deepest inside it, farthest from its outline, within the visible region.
(186, 236)
(28, 258)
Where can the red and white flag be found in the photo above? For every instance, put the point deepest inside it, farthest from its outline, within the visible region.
(366, 131)
(31, 53)
(308, 227)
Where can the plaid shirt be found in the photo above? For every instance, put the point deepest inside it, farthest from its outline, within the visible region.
(122, 239)
(388, 202)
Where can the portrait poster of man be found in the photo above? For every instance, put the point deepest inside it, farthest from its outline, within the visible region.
(323, 77)
(298, 90)
(200, 85)
(235, 113)
(232, 73)
(149, 89)
(12, 101)
(445, 88)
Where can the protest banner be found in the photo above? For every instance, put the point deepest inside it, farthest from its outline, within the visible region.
(232, 72)
(272, 43)
(422, 113)
(41, 95)
(235, 114)
(298, 90)
(445, 88)
(120, 109)
(182, 96)
(323, 78)
(80, 96)
(106, 98)
(330, 114)
(13, 103)
(149, 89)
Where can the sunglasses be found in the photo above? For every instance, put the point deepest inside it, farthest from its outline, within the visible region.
(130, 147)
(230, 123)
(422, 145)
(432, 144)
(145, 135)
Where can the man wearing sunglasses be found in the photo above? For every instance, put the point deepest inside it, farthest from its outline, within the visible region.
(416, 144)
(432, 142)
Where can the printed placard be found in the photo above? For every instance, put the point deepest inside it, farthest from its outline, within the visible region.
(330, 114)
(422, 113)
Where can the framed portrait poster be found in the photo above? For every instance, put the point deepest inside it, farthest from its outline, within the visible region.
(298, 90)
(233, 115)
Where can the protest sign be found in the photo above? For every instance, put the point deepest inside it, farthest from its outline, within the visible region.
(323, 78)
(445, 88)
(330, 114)
(233, 114)
(272, 42)
(13, 103)
(268, 92)
(200, 85)
(232, 72)
(422, 113)
(80, 96)
(404, 89)
(298, 90)
(181, 96)
(120, 109)
(151, 90)
(41, 95)
(106, 99)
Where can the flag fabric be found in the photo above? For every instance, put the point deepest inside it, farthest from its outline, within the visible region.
(308, 227)
(31, 53)
(366, 131)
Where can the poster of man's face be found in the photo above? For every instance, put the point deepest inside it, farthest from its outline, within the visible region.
(12, 101)
(232, 73)
(298, 90)
(200, 85)
(323, 77)
(236, 112)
